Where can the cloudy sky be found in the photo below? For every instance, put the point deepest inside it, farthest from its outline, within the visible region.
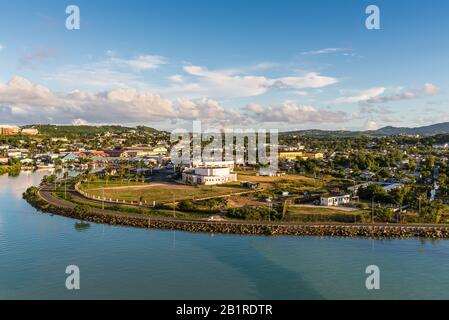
(278, 64)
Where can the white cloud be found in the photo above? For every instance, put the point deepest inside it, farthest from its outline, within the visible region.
(325, 51)
(112, 72)
(230, 83)
(22, 101)
(176, 78)
(431, 89)
(310, 80)
(146, 62)
(371, 125)
(392, 98)
(79, 122)
(206, 109)
(36, 57)
(362, 96)
(427, 90)
(375, 95)
(2, 47)
(294, 113)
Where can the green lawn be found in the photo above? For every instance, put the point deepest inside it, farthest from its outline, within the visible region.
(323, 214)
(158, 192)
(109, 184)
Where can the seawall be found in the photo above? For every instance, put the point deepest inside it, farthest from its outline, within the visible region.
(246, 228)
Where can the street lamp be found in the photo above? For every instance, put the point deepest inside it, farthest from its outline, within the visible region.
(174, 205)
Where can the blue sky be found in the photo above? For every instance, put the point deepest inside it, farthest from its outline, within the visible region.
(282, 64)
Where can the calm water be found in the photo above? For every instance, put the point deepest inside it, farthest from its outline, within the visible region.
(120, 262)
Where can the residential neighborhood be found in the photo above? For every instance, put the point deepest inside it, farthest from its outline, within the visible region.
(382, 175)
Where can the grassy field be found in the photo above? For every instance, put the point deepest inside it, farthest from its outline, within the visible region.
(109, 184)
(323, 214)
(159, 192)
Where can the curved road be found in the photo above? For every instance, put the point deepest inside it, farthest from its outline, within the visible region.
(46, 194)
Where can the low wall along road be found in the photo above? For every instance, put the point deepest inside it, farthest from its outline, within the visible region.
(49, 203)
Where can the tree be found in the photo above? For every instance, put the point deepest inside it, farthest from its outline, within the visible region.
(431, 211)
(373, 190)
(384, 214)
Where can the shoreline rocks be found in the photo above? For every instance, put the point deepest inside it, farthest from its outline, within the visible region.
(235, 227)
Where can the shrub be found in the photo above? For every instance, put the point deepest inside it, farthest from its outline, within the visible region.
(81, 210)
(254, 213)
(384, 214)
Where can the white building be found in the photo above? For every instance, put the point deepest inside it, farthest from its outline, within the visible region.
(335, 200)
(213, 164)
(209, 174)
(30, 132)
(14, 154)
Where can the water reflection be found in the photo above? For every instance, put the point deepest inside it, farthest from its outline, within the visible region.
(82, 226)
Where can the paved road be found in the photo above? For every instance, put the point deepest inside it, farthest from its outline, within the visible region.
(46, 194)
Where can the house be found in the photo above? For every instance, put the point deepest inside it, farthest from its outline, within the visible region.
(95, 153)
(26, 161)
(441, 146)
(335, 200)
(70, 157)
(387, 186)
(159, 151)
(290, 155)
(14, 154)
(250, 185)
(313, 155)
(356, 187)
(4, 161)
(9, 130)
(392, 186)
(367, 175)
(117, 153)
(30, 132)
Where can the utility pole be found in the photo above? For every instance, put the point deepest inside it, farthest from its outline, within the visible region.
(419, 205)
(269, 212)
(372, 210)
(65, 189)
(102, 203)
(174, 206)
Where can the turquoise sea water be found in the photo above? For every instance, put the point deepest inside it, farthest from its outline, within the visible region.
(126, 263)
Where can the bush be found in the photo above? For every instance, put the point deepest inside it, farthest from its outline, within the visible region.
(363, 206)
(81, 210)
(187, 205)
(254, 213)
(210, 205)
(384, 214)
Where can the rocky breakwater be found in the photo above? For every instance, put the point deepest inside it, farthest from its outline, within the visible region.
(244, 228)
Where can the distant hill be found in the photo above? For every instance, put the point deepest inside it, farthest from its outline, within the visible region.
(440, 128)
(323, 133)
(435, 129)
(84, 131)
(71, 131)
